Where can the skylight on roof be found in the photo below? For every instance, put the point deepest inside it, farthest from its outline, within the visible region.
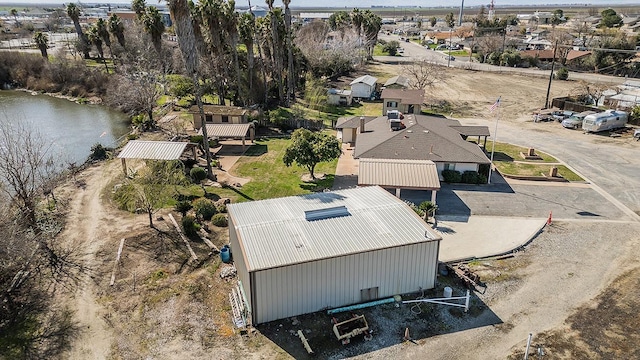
(327, 213)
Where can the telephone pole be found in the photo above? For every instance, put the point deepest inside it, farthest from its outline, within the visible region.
(553, 65)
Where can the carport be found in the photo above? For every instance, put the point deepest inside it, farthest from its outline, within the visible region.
(231, 131)
(154, 150)
(479, 131)
(400, 174)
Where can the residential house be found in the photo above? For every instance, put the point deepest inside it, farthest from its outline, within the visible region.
(397, 82)
(219, 114)
(423, 138)
(407, 101)
(364, 87)
(339, 97)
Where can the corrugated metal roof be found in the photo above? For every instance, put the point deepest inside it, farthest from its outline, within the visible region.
(416, 174)
(366, 79)
(227, 130)
(152, 150)
(275, 232)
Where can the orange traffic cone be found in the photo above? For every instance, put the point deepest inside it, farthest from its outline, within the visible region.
(549, 218)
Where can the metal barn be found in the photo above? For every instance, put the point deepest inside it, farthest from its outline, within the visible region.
(302, 254)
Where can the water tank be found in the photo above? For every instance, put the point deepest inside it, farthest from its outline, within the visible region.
(225, 255)
(448, 292)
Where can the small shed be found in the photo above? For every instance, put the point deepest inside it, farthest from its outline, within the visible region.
(154, 150)
(219, 114)
(339, 97)
(364, 87)
(302, 254)
(397, 82)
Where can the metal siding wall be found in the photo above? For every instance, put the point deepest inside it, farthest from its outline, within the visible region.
(238, 260)
(310, 287)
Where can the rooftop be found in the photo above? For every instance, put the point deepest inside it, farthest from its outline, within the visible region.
(298, 229)
(406, 96)
(152, 150)
(220, 110)
(406, 174)
(397, 80)
(366, 79)
(424, 138)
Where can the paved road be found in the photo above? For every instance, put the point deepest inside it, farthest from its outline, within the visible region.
(413, 51)
(612, 165)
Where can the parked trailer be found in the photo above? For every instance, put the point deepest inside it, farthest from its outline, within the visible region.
(608, 120)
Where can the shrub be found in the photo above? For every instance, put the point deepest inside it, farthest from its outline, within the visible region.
(196, 139)
(562, 74)
(470, 177)
(481, 179)
(198, 174)
(222, 208)
(220, 220)
(451, 176)
(98, 152)
(183, 207)
(180, 86)
(205, 208)
(190, 226)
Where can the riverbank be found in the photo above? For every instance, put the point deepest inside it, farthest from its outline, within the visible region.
(92, 100)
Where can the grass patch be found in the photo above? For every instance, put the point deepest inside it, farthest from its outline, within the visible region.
(566, 173)
(459, 53)
(509, 152)
(269, 176)
(331, 113)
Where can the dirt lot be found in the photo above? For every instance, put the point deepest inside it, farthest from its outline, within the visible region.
(574, 287)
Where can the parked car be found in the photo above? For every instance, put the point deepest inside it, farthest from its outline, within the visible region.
(561, 115)
(441, 47)
(406, 40)
(575, 120)
(451, 58)
(400, 51)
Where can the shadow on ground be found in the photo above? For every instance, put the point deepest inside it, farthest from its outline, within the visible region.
(388, 323)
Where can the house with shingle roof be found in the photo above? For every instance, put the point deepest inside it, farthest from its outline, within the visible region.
(407, 101)
(425, 138)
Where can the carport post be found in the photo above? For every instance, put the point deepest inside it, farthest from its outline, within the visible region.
(433, 196)
(124, 166)
(398, 193)
(243, 144)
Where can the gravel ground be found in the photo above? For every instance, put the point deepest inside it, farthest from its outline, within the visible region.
(566, 267)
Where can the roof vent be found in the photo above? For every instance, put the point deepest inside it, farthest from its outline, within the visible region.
(426, 131)
(409, 131)
(327, 213)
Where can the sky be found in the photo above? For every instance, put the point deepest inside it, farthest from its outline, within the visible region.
(363, 3)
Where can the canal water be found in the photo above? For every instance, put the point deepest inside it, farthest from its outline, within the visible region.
(72, 128)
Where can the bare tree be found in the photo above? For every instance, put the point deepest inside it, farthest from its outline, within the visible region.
(32, 261)
(424, 74)
(564, 40)
(488, 44)
(588, 93)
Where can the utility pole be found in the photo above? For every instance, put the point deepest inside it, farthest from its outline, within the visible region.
(460, 15)
(450, 45)
(553, 65)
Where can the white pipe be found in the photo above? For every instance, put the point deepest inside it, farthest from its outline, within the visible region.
(526, 352)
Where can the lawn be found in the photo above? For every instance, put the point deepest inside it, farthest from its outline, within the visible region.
(270, 178)
(506, 155)
(331, 113)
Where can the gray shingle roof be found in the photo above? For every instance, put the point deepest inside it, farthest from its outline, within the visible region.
(397, 80)
(406, 96)
(352, 122)
(424, 138)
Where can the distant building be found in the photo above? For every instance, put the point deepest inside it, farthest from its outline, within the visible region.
(364, 87)
(404, 100)
(339, 97)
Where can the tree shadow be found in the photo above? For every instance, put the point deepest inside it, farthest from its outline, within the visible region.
(237, 191)
(319, 185)
(256, 150)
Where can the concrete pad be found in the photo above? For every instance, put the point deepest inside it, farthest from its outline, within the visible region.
(483, 236)
(347, 169)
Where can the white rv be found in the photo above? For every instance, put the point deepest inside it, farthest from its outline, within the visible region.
(603, 121)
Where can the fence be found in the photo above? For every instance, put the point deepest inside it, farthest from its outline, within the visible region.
(565, 103)
(294, 124)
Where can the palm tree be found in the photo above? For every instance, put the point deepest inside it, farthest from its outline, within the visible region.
(291, 81)
(246, 30)
(427, 207)
(277, 59)
(357, 19)
(371, 24)
(153, 25)
(187, 43)
(95, 39)
(14, 13)
(103, 33)
(116, 28)
(42, 41)
(73, 12)
(230, 21)
(139, 7)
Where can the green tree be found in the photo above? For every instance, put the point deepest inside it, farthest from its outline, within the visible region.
(357, 19)
(42, 42)
(610, 19)
(558, 17)
(291, 83)
(14, 13)
(116, 28)
(276, 49)
(103, 33)
(427, 208)
(139, 7)
(73, 11)
(230, 23)
(154, 26)
(307, 149)
(339, 21)
(391, 47)
(450, 20)
(246, 31)
(95, 39)
(433, 21)
(371, 27)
